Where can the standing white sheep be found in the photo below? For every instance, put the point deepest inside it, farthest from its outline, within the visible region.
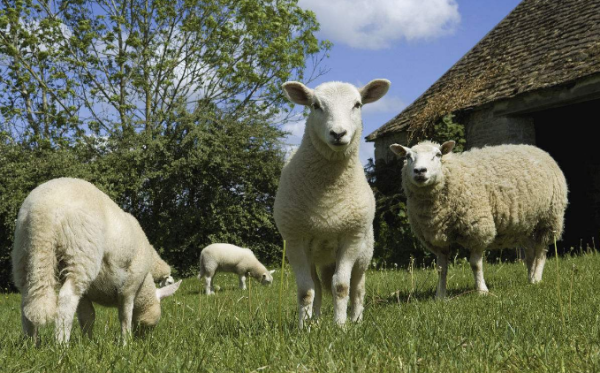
(324, 206)
(230, 258)
(73, 238)
(490, 198)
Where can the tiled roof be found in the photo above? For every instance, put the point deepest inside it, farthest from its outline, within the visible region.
(540, 44)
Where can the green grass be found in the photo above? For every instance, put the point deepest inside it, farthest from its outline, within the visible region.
(517, 327)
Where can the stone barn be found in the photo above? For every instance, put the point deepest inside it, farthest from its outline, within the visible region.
(533, 79)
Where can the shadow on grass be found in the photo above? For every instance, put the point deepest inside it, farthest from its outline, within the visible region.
(405, 297)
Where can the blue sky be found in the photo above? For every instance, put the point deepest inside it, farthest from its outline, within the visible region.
(410, 42)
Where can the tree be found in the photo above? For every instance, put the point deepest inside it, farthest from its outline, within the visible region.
(170, 107)
(106, 66)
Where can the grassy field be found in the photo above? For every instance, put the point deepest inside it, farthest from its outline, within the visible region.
(518, 327)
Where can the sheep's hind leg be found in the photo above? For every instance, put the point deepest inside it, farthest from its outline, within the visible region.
(476, 260)
(530, 262)
(68, 299)
(318, 291)
(29, 328)
(243, 282)
(296, 255)
(208, 288)
(540, 261)
(86, 316)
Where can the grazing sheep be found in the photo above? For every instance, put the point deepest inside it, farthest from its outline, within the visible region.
(230, 258)
(324, 207)
(73, 238)
(490, 198)
(161, 271)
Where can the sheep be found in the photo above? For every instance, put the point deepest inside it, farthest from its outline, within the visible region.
(73, 238)
(161, 271)
(230, 258)
(482, 199)
(324, 207)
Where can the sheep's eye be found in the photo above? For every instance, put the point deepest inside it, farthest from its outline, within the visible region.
(316, 106)
(439, 155)
(357, 105)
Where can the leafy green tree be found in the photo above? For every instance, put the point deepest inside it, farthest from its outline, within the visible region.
(170, 107)
(106, 66)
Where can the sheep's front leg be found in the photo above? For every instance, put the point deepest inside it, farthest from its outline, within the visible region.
(357, 293)
(68, 298)
(299, 262)
(476, 260)
(243, 282)
(348, 253)
(86, 316)
(442, 267)
(126, 315)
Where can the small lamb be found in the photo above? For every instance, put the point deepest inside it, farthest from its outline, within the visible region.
(324, 206)
(161, 271)
(230, 258)
(491, 198)
(73, 238)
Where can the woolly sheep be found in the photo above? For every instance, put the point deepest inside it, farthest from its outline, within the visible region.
(324, 206)
(230, 258)
(161, 271)
(73, 238)
(490, 198)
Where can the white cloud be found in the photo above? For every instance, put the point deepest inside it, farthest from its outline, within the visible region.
(387, 104)
(376, 24)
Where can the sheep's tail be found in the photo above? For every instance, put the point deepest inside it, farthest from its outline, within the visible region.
(37, 269)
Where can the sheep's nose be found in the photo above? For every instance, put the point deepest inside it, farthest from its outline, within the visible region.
(337, 136)
(420, 171)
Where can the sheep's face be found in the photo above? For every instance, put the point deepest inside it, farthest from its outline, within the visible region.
(335, 109)
(146, 310)
(166, 281)
(423, 162)
(267, 278)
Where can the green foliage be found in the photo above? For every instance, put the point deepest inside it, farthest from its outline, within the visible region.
(206, 180)
(394, 241)
(106, 66)
(517, 328)
(446, 129)
(170, 107)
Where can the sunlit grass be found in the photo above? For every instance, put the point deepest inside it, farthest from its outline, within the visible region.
(517, 328)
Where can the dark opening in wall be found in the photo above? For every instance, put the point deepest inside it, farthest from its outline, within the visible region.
(569, 133)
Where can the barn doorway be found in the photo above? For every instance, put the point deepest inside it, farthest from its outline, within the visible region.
(568, 134)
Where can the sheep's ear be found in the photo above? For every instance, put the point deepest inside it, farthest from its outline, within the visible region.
(168, 290)
(400, 150)
(272, 271)
(374, 90)
(447, 147)
(298, 93)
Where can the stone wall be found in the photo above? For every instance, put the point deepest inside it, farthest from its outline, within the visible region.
(382, 145)
(482, 128)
